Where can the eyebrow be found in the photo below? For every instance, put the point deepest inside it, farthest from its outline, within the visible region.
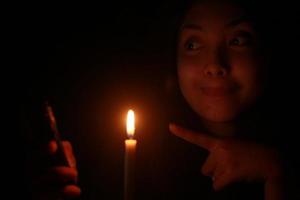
(192, 26)
(233, 23)
(237, 21)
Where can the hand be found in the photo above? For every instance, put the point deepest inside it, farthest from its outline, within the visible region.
(59, 181)
(232, 160)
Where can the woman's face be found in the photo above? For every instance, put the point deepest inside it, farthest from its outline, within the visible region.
(220, 68)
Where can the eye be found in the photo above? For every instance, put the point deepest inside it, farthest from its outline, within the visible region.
(238, 41)
(241, 40)
(192, 45)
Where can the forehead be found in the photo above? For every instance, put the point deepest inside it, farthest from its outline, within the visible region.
(215, 12)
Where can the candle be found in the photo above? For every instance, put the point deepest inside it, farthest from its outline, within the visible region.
(130, 148)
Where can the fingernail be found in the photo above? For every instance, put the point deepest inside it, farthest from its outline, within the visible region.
(172, 127)
(52, 147)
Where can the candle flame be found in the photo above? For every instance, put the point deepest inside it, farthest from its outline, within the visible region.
(130, 123)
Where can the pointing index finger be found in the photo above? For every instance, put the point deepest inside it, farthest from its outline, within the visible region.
(200, 139)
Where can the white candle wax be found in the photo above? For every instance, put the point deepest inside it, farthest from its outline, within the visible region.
(130, 148)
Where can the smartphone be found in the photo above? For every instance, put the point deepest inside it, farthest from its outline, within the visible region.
(60, 156)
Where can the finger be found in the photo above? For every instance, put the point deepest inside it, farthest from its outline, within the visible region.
(218, 172)
(223, 180)
(56, 175)
(209, 166)
(67, 149)
(200, 139)
(63, 174)
(50, 192)
(71, 191)
(52, 147)
(69, 153)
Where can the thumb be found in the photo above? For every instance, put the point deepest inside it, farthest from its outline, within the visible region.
(67, 151)
(223, 180)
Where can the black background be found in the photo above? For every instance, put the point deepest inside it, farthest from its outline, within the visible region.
(93, 62)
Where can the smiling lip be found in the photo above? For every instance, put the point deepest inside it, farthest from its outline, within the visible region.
(217, 91)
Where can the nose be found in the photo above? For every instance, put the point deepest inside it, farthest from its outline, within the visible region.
(217, 65)
(215, 70)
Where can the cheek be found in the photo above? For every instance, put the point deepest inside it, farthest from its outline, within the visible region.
(248, 71)
(247, 65)
(189, 70)
(190, 64)
(188, 75)
(186, 78)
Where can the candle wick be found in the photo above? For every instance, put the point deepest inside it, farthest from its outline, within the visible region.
(130, 137)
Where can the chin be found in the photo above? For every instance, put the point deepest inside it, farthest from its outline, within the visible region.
(217, 117)
(218, 114)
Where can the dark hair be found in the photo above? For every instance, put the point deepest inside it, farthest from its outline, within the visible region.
(265, 20)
